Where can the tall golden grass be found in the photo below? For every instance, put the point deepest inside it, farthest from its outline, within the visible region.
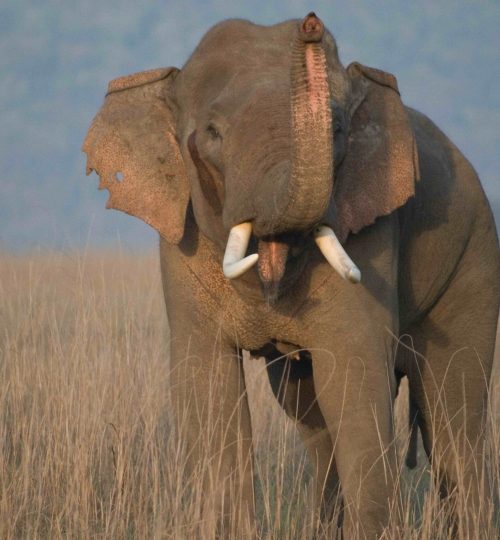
(86, 449)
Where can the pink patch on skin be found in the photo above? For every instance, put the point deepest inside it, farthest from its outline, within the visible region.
(314, 86)
(272, 260)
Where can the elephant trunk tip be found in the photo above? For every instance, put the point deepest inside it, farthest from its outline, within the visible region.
(311, 29)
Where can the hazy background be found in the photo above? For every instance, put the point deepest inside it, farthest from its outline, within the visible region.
(57, 57)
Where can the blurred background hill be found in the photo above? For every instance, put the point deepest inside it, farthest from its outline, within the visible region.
(57, 57)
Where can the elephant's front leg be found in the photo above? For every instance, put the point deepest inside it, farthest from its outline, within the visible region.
(212, 417)
(292, 384)
(355, 389)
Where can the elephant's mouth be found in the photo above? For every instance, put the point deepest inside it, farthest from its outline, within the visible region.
(277, 254)
(273, 253)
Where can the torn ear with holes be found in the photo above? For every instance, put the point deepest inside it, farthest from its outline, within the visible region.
(132, 146)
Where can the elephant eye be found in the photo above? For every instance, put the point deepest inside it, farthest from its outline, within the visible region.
(213, 132)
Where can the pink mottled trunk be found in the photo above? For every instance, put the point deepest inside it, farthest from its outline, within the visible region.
(312, 166)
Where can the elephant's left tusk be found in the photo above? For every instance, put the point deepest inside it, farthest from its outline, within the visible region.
(335, 254)
(235, 263)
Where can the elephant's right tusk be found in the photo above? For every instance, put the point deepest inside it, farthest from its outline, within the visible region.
(335, 254)
(235, 263)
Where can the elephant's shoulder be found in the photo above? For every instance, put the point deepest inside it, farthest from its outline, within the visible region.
(449, 189)
(424, 128)
(437, 155)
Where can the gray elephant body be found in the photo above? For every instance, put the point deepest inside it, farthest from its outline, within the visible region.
(427, 306)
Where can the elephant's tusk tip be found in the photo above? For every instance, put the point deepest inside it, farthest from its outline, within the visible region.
(354, 275)
(335, 254)
(235, 263)
(238, 268)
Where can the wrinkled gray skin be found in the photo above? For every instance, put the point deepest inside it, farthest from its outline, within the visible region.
(430, 269)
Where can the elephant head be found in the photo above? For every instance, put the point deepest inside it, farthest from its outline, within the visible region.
(267, 134)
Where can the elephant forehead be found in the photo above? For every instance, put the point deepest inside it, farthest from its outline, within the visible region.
(238, 39)
(217, 64)
(234, 33)
(234, 54)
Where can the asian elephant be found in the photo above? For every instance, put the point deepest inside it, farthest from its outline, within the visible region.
(278, 179)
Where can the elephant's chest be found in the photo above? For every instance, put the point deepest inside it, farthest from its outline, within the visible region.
(254, 329)
(254, 326)
(289, 324)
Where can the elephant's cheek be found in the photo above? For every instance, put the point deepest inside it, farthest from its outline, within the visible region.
(272, 261)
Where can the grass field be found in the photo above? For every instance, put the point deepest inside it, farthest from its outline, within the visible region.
(85, 445)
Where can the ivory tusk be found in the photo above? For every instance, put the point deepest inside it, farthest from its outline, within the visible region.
(335, 254)
(235, 263)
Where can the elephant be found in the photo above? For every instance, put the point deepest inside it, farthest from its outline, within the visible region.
(306, 215)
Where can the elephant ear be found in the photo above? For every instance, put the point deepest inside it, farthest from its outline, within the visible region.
(380, 168)
(131, 144)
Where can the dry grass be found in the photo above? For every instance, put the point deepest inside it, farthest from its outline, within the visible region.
(85, 444)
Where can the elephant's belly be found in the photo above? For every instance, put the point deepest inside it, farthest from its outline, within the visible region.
(275, 349)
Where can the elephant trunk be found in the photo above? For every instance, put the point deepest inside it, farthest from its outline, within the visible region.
(310, 185)
(308, 192)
